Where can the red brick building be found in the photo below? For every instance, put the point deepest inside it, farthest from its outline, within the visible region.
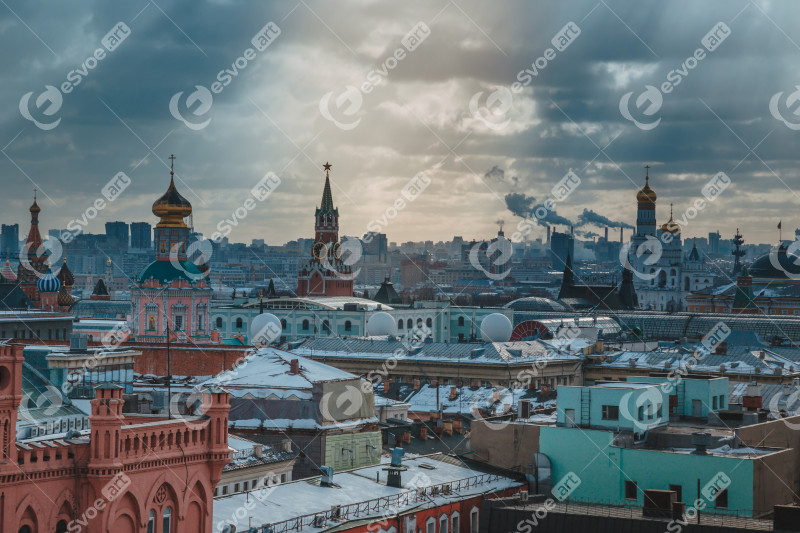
(125, 474)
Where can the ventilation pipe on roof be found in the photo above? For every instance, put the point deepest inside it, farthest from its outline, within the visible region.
(294, 366)
(701, 442)
(327, 476)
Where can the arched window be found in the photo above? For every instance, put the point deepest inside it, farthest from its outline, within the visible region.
(239, 322)
(61, 527)
(348, 326)
(461, 321)
(24, 529)
(429, 323)
(283, 323)
(151, 522)
(219, 321)
(419, 322)
(326, 327)
(305, 325)
(409, 324)
(167, 523)
(400, 324)
(443, 524)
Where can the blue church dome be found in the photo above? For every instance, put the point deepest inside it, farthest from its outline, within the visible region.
(49, 282)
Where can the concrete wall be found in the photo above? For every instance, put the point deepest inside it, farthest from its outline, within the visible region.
(784, 433)
(510, 446)
(775, 481)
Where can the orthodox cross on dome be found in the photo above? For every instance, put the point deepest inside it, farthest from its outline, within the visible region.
(171, 164)
(647, 170)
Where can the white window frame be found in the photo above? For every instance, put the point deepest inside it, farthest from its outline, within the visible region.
(474, 523)
(430, 525)
(443, 523)
(455, 522)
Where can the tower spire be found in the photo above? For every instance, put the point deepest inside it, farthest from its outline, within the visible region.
(327, 197)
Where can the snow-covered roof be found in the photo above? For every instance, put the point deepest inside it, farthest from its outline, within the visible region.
(473, 353)
(471, 401)
(277, 504)
(267, 372)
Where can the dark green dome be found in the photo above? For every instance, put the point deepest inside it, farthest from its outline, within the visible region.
(166, 272)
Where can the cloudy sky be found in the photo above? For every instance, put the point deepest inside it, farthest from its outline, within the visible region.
(385, 91)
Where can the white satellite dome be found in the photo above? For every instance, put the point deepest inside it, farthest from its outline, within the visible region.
(265, 329)
(496, 328)
(381, 323)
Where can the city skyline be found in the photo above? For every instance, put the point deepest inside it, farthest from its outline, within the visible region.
(478, 125)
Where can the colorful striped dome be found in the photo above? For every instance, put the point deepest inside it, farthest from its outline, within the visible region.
(49, 282)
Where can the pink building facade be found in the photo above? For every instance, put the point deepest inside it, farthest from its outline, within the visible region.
(171, 295)
(125, 474)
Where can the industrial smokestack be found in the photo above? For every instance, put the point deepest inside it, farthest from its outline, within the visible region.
(620, 236)
(548, 234)
(606, 233)
(571, 230)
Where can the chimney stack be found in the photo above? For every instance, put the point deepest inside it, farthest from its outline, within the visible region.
(453, 393)
(294, 366)
(620, 236)
(572, 230)
(606, 233)
(548, 234)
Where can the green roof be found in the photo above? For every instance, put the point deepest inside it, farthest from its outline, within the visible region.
(166, 271)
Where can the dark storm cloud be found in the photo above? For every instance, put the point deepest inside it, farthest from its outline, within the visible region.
(418, 118)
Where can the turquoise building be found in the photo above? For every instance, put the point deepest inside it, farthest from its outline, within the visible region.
(623, 438)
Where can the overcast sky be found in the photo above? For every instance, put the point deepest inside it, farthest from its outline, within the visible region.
(330, 85)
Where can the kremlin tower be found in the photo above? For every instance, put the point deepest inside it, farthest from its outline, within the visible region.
(326, 274)
(171, 288)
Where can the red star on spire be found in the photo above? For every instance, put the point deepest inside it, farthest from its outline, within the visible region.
(326, 166)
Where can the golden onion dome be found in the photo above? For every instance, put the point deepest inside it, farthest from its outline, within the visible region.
(172, 208)
(646, 194)
(670, 226)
